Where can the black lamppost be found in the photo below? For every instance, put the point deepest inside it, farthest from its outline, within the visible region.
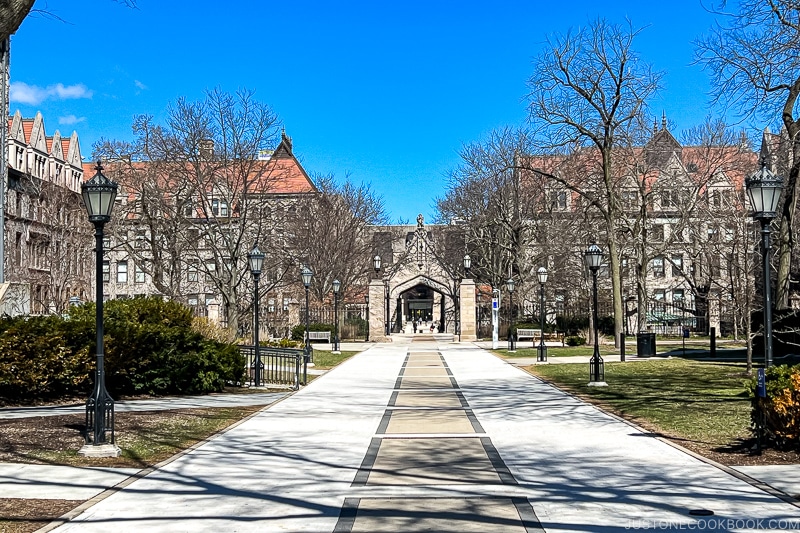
(593, 257)
(511, 337)
(764, 189)
(336, 286)
(542, 275)
(98, 197)
(256, 259)
(306, 275)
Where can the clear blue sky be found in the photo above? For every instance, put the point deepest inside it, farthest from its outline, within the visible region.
(385, 91)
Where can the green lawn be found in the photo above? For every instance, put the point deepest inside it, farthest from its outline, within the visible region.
(702, 402)
(673, 346)
(325, 360)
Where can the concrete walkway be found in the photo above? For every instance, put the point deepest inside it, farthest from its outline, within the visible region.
(420, 436)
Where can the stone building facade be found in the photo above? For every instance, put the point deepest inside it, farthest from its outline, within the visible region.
(48, 242)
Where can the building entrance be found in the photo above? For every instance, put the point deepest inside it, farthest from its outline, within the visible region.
(418, 304)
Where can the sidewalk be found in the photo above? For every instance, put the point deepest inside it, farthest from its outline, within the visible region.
(417, 436)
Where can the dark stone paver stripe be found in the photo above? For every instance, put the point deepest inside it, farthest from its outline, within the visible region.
(347, 516)
(528, 515)
(387, 417)
(474, 421)
(366, 465)
(497, 462)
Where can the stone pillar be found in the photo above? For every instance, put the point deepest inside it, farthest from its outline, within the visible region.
(467, 310)
(377, 312)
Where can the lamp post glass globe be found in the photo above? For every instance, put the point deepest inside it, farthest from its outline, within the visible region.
(510, 284)
(306, 275)
(593, 257)
(467, 263)
(542, 275)
(376, 263)
(98, 196)
(256, 260)
(764, 192)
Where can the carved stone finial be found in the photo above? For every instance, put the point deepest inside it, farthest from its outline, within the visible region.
(420, 220)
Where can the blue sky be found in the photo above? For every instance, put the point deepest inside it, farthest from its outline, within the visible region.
(385, 91)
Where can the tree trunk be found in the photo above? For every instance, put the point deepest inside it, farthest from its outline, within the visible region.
(12, 13)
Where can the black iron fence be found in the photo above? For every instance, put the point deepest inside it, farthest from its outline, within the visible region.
(279, 366)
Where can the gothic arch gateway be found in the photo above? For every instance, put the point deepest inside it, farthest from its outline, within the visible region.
(413, 284)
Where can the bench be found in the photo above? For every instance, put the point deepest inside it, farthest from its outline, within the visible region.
(319, 336)
(523, 333)
(536, 335)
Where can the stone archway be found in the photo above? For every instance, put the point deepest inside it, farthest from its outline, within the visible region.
(412, 281)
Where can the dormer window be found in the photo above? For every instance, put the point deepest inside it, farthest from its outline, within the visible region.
(219, 208)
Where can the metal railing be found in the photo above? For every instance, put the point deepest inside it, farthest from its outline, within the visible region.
(279, 366)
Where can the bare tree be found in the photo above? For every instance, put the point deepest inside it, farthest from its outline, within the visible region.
(197, 191)
(330, 233)
(754, 66)
(588, 92)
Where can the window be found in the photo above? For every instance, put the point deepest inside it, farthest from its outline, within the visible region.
(122, 272)
(629, 199)
(219, 208)
(286, 304)
(677, 296)
(210, 299)
(271, 305)
(670, 199)
(138, 274)
(658, 267)
(188, 209)
(677, 266)
(713, 234)
(141, 234)
(657, 233)
(106, 272)
(192, 300)
(559, 199)
(211, 270)
(626, 267)
(106, 243)
(191, 271)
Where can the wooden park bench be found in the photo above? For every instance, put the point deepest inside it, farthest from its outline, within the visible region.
(536, 335)
(319, 336)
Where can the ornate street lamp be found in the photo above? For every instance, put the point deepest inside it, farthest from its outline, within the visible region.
(336, 286)
(256, 259)
(376, 264)
(542, 275)
(306, 275)
(511, 336)
(467, 265)
(593, 258)
(98, 197)
(764, 191)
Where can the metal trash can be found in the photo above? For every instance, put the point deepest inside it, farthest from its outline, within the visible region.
(645, 344)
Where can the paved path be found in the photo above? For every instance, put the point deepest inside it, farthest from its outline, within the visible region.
(425, 437)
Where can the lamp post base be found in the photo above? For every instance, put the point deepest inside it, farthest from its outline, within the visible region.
(99, 450)
(598, 384)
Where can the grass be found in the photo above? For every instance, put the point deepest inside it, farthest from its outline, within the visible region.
(671, 346)
(697, 401)
(147, 439)
(325, 360)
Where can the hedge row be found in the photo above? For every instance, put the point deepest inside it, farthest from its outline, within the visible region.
(150, 348)
(781, 406)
